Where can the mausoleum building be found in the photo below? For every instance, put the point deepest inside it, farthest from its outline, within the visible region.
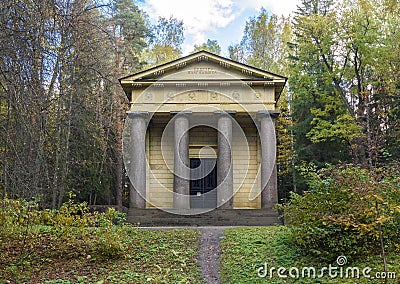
(199, 143)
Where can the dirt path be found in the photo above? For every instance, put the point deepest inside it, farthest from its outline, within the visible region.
(209, 254)
(209, 250)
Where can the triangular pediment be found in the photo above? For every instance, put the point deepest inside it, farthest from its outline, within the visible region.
(202, 66)
(198, 58)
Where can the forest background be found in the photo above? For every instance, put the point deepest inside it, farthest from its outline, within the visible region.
(62, 109)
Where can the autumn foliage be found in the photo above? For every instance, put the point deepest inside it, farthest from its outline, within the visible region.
(347, 211)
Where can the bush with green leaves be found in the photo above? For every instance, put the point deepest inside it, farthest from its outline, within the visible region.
(73, 228)
(347, 211)
(14, 212)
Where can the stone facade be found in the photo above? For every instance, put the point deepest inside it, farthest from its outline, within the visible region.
(202, 113)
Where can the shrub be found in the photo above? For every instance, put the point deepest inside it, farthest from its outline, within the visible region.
(74, 230)
(347, 211)
(17, 213)
(110, 238)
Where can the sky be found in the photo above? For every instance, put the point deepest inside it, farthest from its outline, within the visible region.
(221, 20)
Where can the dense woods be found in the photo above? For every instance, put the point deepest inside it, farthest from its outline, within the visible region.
(62, 109)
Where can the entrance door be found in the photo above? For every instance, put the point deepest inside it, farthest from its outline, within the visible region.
(203, 181)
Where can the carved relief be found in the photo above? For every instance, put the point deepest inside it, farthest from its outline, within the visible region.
(149, 96)
(169, 95)
(192, 96)
(202, 84)
(235, 95)
(213, 96)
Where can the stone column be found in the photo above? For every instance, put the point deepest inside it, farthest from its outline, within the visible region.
(137, 169)
(269, 180)
(224, 160)
(181, 160)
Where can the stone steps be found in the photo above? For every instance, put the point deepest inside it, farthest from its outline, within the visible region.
(217, 217)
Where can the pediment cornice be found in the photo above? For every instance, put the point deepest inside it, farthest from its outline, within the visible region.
(202, 68)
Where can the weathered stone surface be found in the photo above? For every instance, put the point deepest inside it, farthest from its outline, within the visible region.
(137, 170)
(181, 160)
(218, 217)
(269, 186)
(224, 160)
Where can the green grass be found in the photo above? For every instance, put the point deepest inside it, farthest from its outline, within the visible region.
(245, 250)
(152, 256)
(43, 254)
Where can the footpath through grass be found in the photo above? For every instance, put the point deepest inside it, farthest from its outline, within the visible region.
(247, 251)
(152, 256)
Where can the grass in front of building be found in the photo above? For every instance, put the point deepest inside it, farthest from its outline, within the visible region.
(152, 256)
(72, 245)
(249, 254)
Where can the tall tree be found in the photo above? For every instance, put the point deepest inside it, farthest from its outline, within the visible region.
(166, 41)
(236, 53)
(264, 45)
(24, 116)
(58, 112)
(211, 46)
(129, 34)
(261, 42)
(315, 104)
(342, 101)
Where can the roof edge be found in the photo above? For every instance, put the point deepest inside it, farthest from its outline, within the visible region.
(198, 54)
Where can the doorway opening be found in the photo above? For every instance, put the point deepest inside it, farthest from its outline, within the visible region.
(203, 181)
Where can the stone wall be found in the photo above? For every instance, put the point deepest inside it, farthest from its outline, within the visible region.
(160, 178)
(246, 183)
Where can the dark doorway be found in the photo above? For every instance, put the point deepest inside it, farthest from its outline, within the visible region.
(203, 181)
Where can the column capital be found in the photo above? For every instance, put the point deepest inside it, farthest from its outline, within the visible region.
(225, 112)
(181, 112)
(143, 114)
(265, 113)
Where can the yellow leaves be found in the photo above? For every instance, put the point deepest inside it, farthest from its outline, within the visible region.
(325, 128)
(378, 198)
(346, 207)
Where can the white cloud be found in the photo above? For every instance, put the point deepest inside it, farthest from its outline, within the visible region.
(201, 17)
(198, 16)
(278, 7)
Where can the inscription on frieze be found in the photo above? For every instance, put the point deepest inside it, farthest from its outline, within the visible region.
(202, 71)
